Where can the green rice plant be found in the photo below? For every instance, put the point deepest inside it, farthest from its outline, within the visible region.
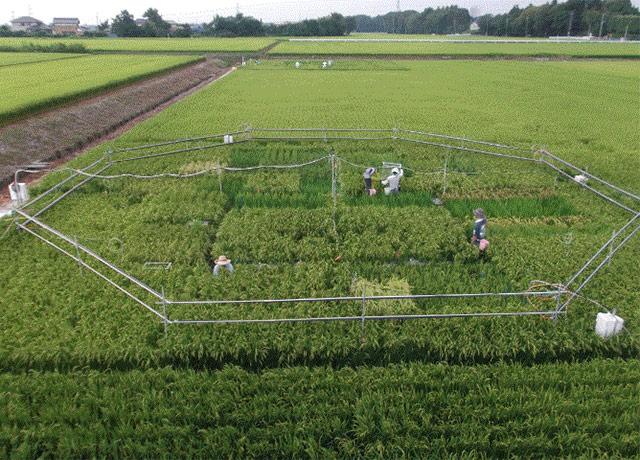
(512, 207)
(27, 92)
(275, 235)
(602, 50)
(184, 45)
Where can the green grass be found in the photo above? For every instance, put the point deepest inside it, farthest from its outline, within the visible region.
(191, 45)
(42, 85)
(584, 50)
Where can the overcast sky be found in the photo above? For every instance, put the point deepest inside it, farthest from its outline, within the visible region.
(197, 11)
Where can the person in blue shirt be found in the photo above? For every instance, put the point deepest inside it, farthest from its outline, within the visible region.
(480, 230)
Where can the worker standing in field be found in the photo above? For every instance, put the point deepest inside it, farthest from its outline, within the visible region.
(222, 263)
(392, 183)
(480, 230)
(368, 186)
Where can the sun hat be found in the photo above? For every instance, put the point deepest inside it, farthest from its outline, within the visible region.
(395, 171)
(222, 260)
(479, 213)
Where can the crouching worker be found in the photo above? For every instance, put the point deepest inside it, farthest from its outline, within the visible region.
(392, 183)
(222, 263)
(480, 230)
(368, 186)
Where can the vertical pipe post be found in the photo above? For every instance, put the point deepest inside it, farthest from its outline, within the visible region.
(558, 303)
(164, 312)
(219, 172)
(363, 313)
(444, 177)
(334, 189)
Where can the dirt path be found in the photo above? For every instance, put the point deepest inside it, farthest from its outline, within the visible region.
(63, 133)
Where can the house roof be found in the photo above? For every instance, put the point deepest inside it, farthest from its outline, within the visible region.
(27, 19)
(64, 21)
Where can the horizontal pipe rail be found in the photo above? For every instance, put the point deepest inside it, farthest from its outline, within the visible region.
(326, 130)
(60, 184)
(319, 138)
(465, 139)
(367, 318)
(96, 272)
(175, 152)
(601, 250)
(575, 293)
(65, 194)
(177, 141)
(588, 187)
(89, 252)
(368, 298)
(591, 176)
(467, 149)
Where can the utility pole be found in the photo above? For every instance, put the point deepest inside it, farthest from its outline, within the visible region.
(570, 23)
(237, 9)
(601, 25)
(506, 28)
(526, 26)
(626, 31)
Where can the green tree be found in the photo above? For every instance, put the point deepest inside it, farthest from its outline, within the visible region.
(155, 25)
(123, 25)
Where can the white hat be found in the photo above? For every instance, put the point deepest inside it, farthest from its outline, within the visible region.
(222, 260)
(395, 171)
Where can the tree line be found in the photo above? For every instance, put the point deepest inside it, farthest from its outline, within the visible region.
(615, 18)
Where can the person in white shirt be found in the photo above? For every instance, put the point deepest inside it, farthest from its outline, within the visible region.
(392, 183)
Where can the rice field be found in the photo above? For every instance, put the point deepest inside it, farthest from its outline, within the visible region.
(87, 372)
(451, 48)
(41, 85)
(187, 45)
(7, 59)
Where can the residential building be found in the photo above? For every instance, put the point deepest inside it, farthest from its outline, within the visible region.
(66, 26)
(26, 24)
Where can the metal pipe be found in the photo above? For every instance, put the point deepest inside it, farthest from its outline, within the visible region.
(466, 149)
(177, 141)
(358, 298)
(308, 138)
(330, 130)
(68, 192)
(91, 253)
(464, 139)
(602, 181)
(175, 152)
(60, 184)
(598, 268)
(601, 250)
(368, 318)
(90, 268)
(600, 194)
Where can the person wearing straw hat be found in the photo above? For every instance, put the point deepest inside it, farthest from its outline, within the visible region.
(480, 230)
(220, 263)
(368, 186)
